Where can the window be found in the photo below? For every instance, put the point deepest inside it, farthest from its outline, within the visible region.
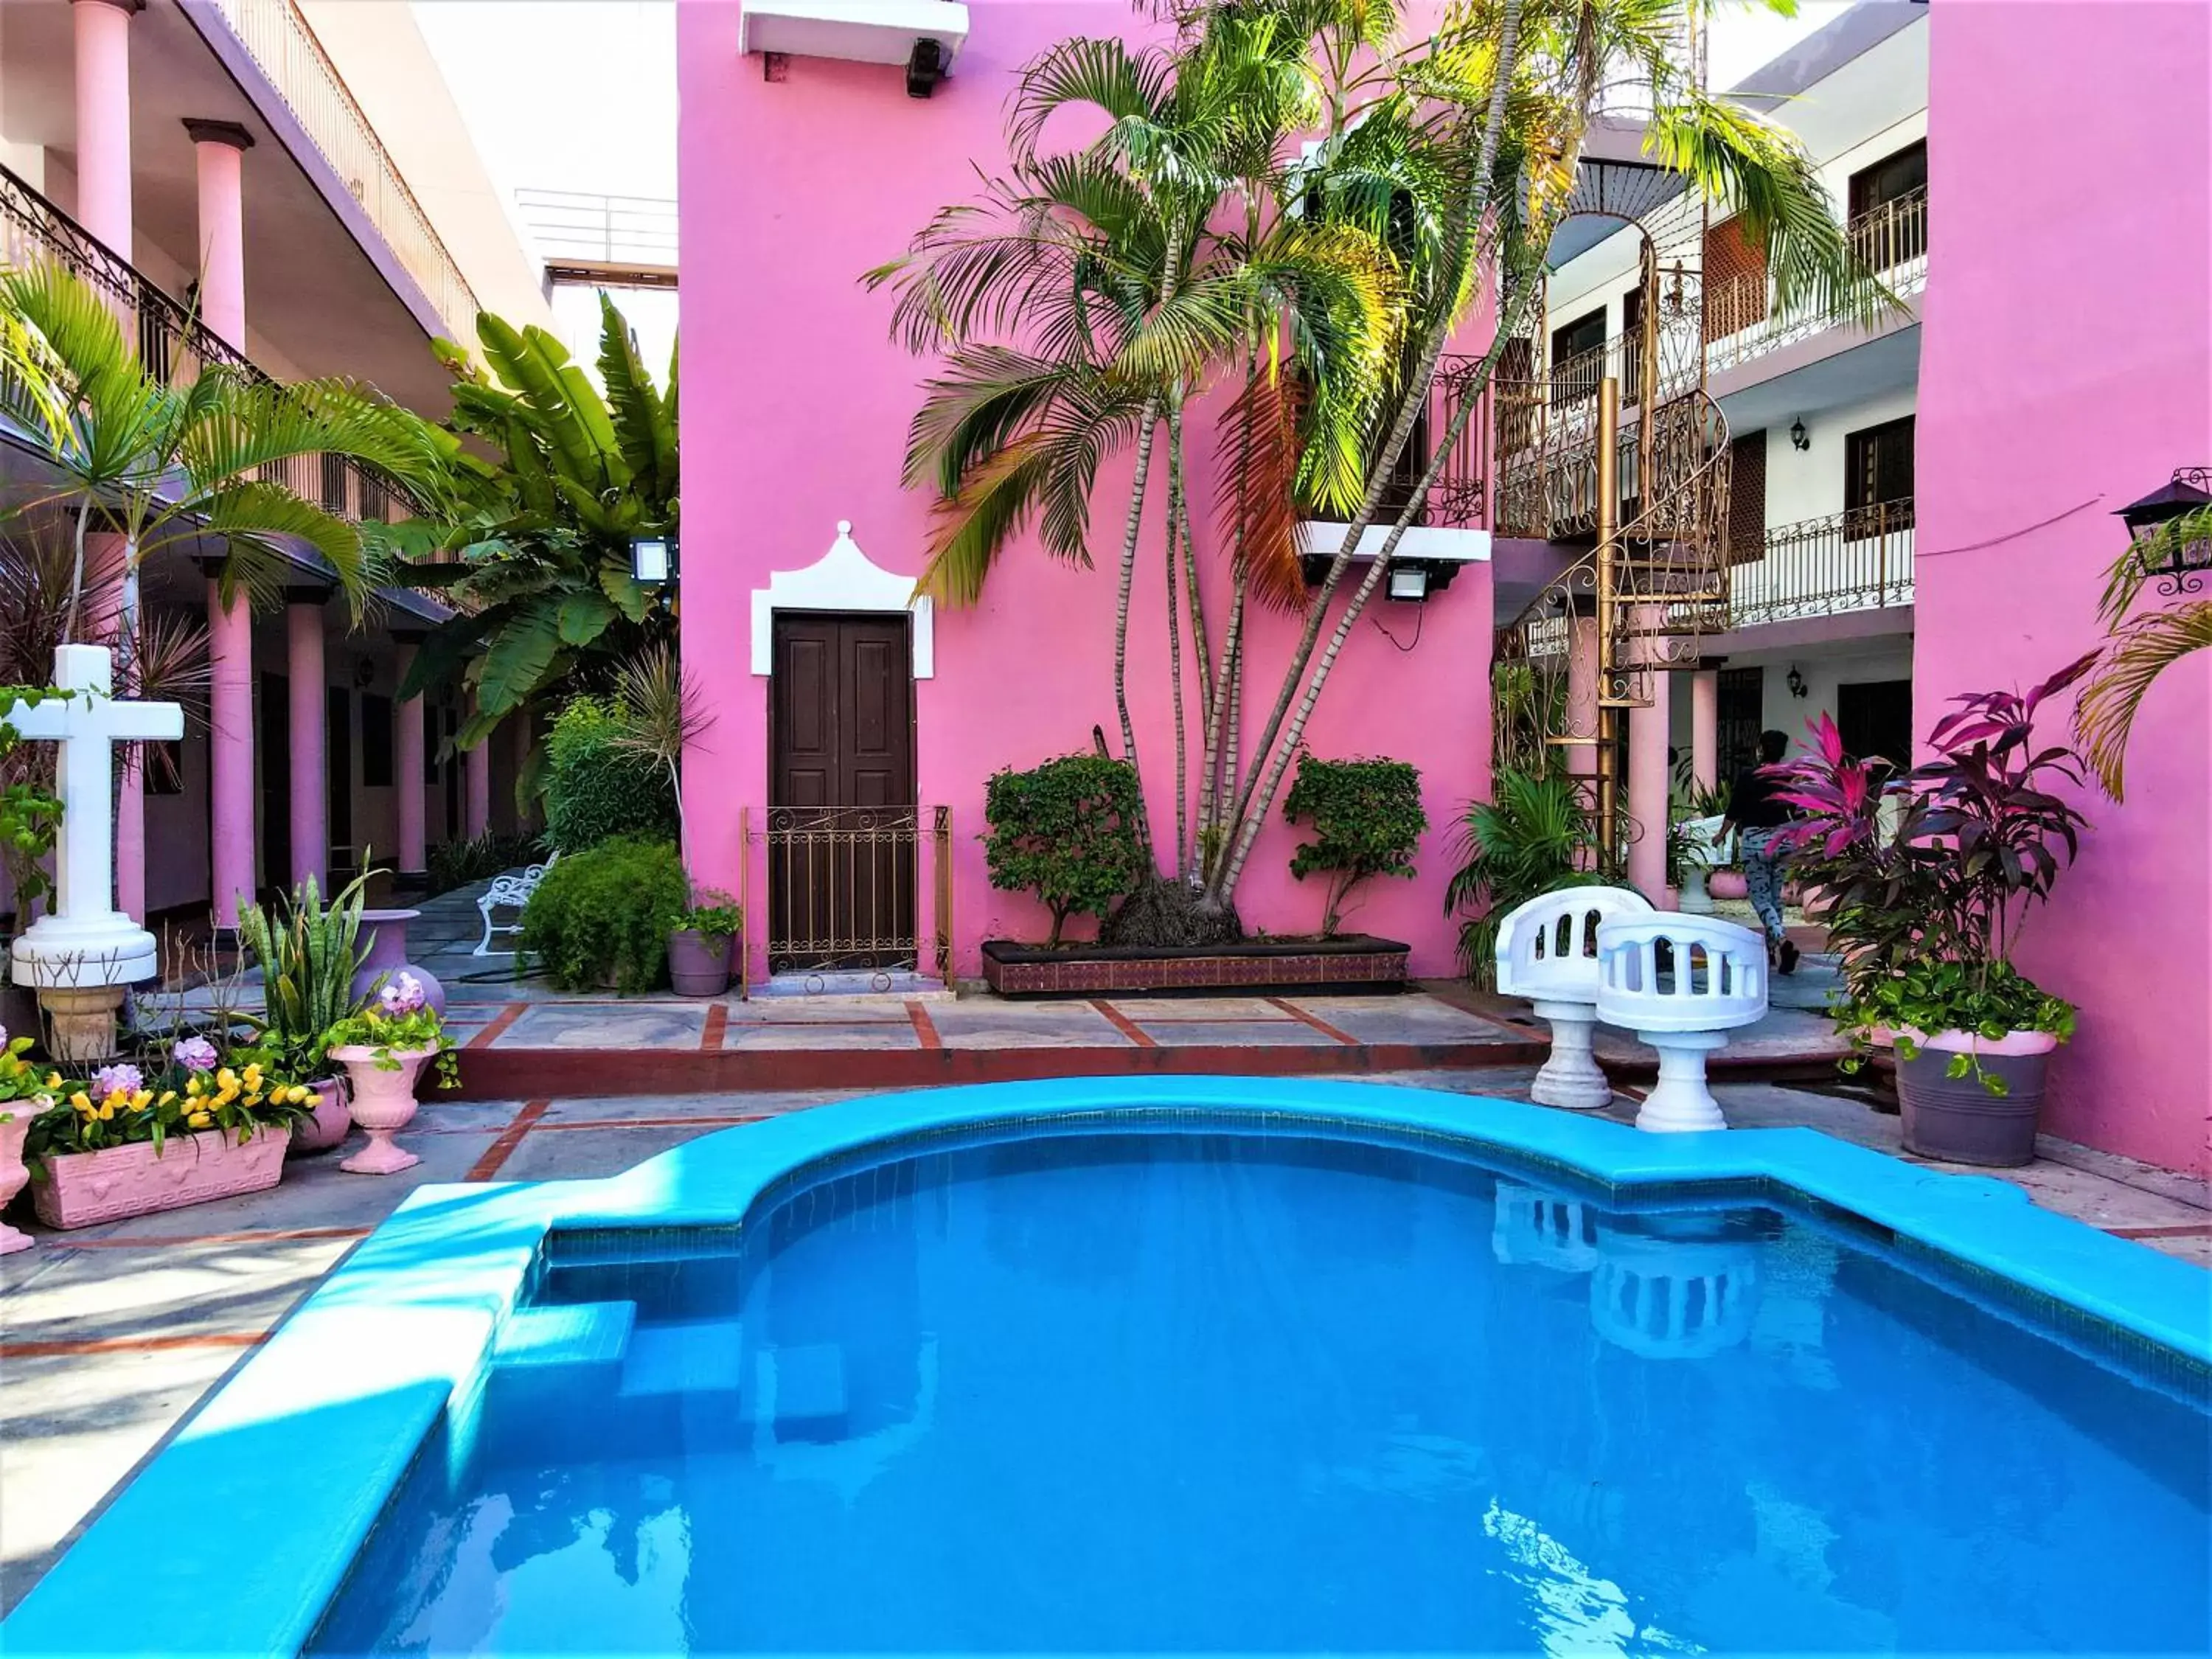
(1878, 480)
(375, 741)
(1577, 359)
(1889, 209)
(1874, 718)
(1747, 519)
(1734, 280)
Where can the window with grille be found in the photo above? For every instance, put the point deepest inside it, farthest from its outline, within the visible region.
(1878, 479)
(1734, 280)
(1746, 518)
(1889, 208)
(1577, 358)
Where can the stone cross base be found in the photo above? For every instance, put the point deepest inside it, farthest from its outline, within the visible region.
(82, 1022)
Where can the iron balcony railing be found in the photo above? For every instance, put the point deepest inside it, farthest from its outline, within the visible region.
(282, 42)
(1856, 560)
(1457, 498)
(173, 343)
(1742, 321)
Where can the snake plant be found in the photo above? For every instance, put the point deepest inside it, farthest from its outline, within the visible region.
(309, 952)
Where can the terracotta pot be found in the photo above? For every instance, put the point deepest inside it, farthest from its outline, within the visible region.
(117, 1182)
(1728, 884)
(387, 953)
(332, 1121)
(698, 966)
(383, 1103)
(13, 1175)
(1958, 1119)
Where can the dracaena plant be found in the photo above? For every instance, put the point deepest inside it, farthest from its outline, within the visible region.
(1926, 901)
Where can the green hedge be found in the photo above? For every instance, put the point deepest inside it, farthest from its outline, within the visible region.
(1066, 830)
(1367, 820)
(595, 788)
(602, 915)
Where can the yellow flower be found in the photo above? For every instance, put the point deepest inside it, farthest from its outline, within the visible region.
(53, 1079)
(309, 1098)
(139, 1102)
(107, 1110)
(197, 1120)
(228, 1079)
(167, 1095)
(81, 1101)
(192, 1084)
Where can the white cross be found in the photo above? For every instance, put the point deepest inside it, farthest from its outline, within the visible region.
(86, 941)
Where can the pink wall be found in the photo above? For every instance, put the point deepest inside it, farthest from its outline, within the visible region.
(2065, 370)
(795, 411)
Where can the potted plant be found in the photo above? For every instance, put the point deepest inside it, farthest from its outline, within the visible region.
(383, 1048)
(119, 1144)
(600, 918)
(1925, 902)
(20, 1083)
(310, 958)
(699, 946)
(1367, 820)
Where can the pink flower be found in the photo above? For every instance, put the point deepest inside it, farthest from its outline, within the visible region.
(196, 1053)
(404, 995)
(116, 1080)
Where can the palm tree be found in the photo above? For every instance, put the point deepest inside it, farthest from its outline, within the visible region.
(2143, 646)
(157, 463)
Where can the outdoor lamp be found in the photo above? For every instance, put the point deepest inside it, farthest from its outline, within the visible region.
(2180, 570)
(1795, 682)
(1797, 438)
(653, 560)
(1409, 581)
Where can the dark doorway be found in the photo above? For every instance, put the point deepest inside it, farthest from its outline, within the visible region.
(1888, 204)
(1577, 359)
(842, 812)
(449, 764)
(1747, 516)
(1874, 718)
(1741, 716)
(337, 772)
(273, 738)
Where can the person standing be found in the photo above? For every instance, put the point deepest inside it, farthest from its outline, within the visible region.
(1756, 813)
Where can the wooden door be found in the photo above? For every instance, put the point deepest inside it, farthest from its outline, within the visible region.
(1747, 515)
(842, 812)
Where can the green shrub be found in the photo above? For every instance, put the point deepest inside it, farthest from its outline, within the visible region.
(603, 916)
(1367, 820)
(457, 863)
(595, 788)
(1066, 830)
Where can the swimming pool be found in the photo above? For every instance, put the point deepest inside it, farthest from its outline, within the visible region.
(1176, 1365)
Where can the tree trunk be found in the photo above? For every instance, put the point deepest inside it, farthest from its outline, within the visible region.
(1213, 790)
(1122, 617)
(1468, 218)
(1175, 639)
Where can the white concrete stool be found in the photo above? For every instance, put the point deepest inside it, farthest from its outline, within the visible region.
(1547, 952)
(1665, 1299)
(1716, 982)
(1705, 846)
(1542, 1229)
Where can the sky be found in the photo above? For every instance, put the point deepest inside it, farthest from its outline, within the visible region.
(581, 95)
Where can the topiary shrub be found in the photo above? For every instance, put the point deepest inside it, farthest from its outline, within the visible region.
(603, 916)
(1066, 830)
(596, 788)
(1367, 820)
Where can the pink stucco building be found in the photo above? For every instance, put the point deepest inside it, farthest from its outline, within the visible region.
(797, 175)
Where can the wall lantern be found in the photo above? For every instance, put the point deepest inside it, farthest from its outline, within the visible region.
(925, 67)
(1795, 682)
(652, 561)
(1797, 439)
(2179, 565)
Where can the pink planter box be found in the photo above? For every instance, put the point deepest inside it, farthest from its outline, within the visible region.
(81, 1189)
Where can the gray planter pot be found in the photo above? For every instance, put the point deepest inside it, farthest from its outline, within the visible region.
(1958, 1119)
(698, 966)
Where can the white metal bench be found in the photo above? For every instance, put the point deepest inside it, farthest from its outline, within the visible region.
(513, 890)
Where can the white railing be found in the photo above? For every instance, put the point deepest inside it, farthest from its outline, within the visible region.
(1858, 560)
(282, 42)
(586, 225)
(1742, 321)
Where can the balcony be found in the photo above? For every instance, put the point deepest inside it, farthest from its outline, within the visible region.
(1858, 560)
(172, 343)
(1742, 322)
(279, 40)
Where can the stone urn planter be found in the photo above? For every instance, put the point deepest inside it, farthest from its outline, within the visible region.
(386, 953)
(383, 1103)
(1958, 1119)
(13, 1128)
(331, 1122)
(117, 1182)
(698, 964)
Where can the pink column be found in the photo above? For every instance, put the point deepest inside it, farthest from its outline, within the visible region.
(1581, 695)
(218, 148)
(1647, 793)
(407, 763)
(230, 752)
(103, 118)
(311, 838)
(1705, 727)
(475, 798)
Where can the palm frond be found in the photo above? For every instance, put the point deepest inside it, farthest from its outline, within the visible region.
(2140, 650)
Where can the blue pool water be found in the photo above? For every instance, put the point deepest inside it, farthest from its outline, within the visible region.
(1227, 1391)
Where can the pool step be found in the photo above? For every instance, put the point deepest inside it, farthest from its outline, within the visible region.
(696, 1357)
(577, 1333)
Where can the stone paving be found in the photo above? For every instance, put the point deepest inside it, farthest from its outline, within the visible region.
(109, 1335)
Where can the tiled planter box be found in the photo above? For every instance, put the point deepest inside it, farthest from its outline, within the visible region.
(1353, 962)
(116, 1182)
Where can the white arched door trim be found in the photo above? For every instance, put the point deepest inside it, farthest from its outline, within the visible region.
(843, 579)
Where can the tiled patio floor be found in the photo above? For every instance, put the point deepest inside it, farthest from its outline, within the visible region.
(110, 1334)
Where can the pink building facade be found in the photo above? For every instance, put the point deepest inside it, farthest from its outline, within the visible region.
(796, 403)
(2067, 370)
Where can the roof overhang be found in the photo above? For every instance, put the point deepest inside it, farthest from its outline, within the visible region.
(857, 31)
